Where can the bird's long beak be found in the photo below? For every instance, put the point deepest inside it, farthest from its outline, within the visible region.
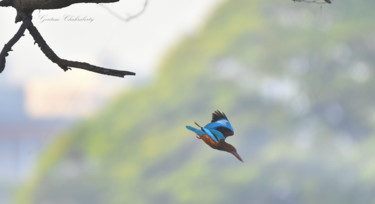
(237, 156)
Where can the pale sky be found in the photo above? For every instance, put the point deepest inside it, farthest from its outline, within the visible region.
(137, 46)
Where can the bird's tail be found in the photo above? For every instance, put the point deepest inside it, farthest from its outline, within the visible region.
(198, 125)
(197, 131)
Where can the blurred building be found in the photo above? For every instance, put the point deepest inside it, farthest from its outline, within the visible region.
(21, 139)
(11, 104)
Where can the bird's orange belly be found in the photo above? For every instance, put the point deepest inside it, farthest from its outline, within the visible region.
(208, 140)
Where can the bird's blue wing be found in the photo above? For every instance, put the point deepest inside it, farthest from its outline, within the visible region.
(218, 129)
(217, 134)
(220, 123)
(214, 134)
(211, 134)
(223, 126)
(198, 131)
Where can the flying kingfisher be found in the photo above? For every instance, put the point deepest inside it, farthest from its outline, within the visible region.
(215, 133)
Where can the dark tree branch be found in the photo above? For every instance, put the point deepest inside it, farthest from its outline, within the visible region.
(66, 64)
(8, 47)
(25, 9)
(31, 5)
(5, 3)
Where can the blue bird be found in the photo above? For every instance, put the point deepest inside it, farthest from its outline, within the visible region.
(215, 133)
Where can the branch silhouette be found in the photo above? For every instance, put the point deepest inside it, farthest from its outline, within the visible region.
(6, 3)
(24, 14)
(8, 47)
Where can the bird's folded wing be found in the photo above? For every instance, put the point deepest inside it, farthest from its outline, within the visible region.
(198, 131)
(210, 133)
(223, 126)
(217, 134)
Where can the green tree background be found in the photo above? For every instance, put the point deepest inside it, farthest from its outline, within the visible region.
(296, 81)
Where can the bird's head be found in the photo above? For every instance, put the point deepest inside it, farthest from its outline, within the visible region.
(229, 148)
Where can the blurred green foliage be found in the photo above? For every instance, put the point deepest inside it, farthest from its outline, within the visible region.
(295, 80)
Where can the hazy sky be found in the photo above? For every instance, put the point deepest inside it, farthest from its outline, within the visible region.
(101, 39)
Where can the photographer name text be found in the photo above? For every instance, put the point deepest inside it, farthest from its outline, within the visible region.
(65, 18)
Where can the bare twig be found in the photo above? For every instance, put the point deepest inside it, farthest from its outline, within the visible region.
(8, 47)
(129, 17)
(139, 13)
(66, 64)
